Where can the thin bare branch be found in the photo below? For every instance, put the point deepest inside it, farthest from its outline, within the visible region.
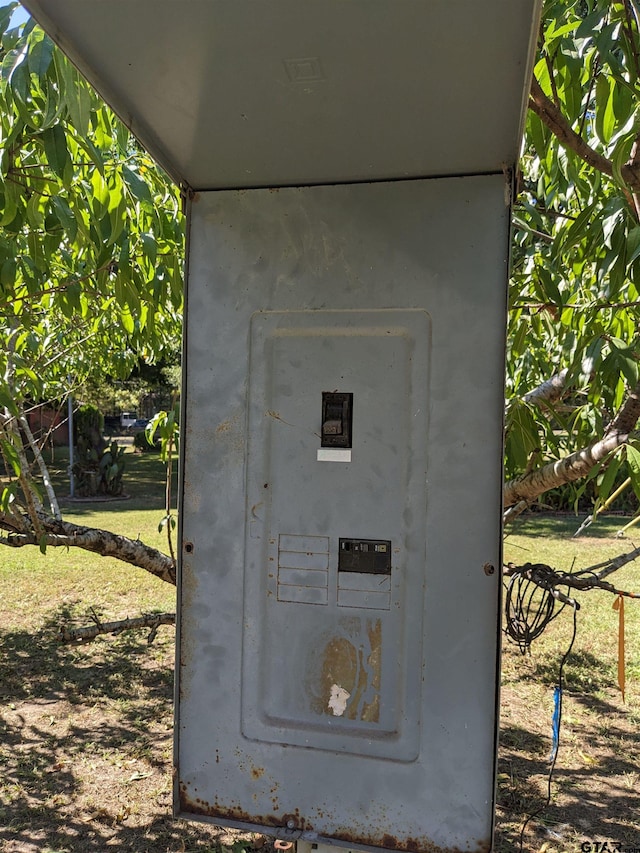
(87, 633)
(44, 471)
(547, 578)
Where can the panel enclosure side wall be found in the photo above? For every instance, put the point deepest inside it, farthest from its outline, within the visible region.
(426, 261)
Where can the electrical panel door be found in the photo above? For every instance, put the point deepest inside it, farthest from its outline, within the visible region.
(331, 533)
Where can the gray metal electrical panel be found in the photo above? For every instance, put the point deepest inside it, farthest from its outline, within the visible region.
(348, 167)
(341, 507)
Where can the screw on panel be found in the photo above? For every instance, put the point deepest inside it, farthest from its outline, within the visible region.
(489, 569)
(188, 547)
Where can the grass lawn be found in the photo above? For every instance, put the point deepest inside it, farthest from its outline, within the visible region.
(85, 743)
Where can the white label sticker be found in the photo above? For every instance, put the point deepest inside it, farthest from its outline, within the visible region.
(334, 454)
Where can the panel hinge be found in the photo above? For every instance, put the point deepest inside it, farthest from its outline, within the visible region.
(286, 833)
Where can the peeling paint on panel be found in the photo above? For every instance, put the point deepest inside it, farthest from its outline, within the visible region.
(338, 700)
(348, 682)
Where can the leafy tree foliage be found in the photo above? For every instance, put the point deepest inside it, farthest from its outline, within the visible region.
(91, 239)
(576, 258)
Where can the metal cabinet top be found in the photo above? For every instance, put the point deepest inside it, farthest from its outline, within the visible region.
(267, 93)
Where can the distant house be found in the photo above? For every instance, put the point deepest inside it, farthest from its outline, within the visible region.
(47, 421)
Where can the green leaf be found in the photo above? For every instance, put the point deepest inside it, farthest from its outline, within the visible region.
(138, 187)
(633, 458)
(7, 497)
(609, 224)
(127, 322)
(55, 148)
(589, 24)
(7, 400)
(5, 16)
(11, 455)
(604, 108)
(553, 33)
(623, 102)
(40, 56)
(93, 151)
(16, 72)
(11, 197)
(150, 248)
(620, 156)
(78, 99)
(65, 216)
(8, 272)
(609, 478)
(36, 254)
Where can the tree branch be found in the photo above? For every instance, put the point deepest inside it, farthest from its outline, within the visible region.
(44, 471)
(90, 632)
(631, 174)
(550, 391)
(557, 123)
(584, 580)
(529, 486)
(627, 416)
(64, 534)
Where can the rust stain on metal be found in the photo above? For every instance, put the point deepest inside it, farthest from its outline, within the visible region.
(219, 811)
(350, 675)
(231, 434)
(410, 844)
(295, 821)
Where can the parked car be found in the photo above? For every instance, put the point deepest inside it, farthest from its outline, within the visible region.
(128, 419)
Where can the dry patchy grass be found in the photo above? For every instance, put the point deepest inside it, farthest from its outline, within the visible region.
(596, 783)
(86, 731)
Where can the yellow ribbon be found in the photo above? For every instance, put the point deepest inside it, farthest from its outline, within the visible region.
(618, 605)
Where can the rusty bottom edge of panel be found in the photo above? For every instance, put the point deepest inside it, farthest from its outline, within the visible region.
(280, 825)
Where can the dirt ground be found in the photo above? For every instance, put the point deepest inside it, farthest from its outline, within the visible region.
(596, 781)
(86, 739)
